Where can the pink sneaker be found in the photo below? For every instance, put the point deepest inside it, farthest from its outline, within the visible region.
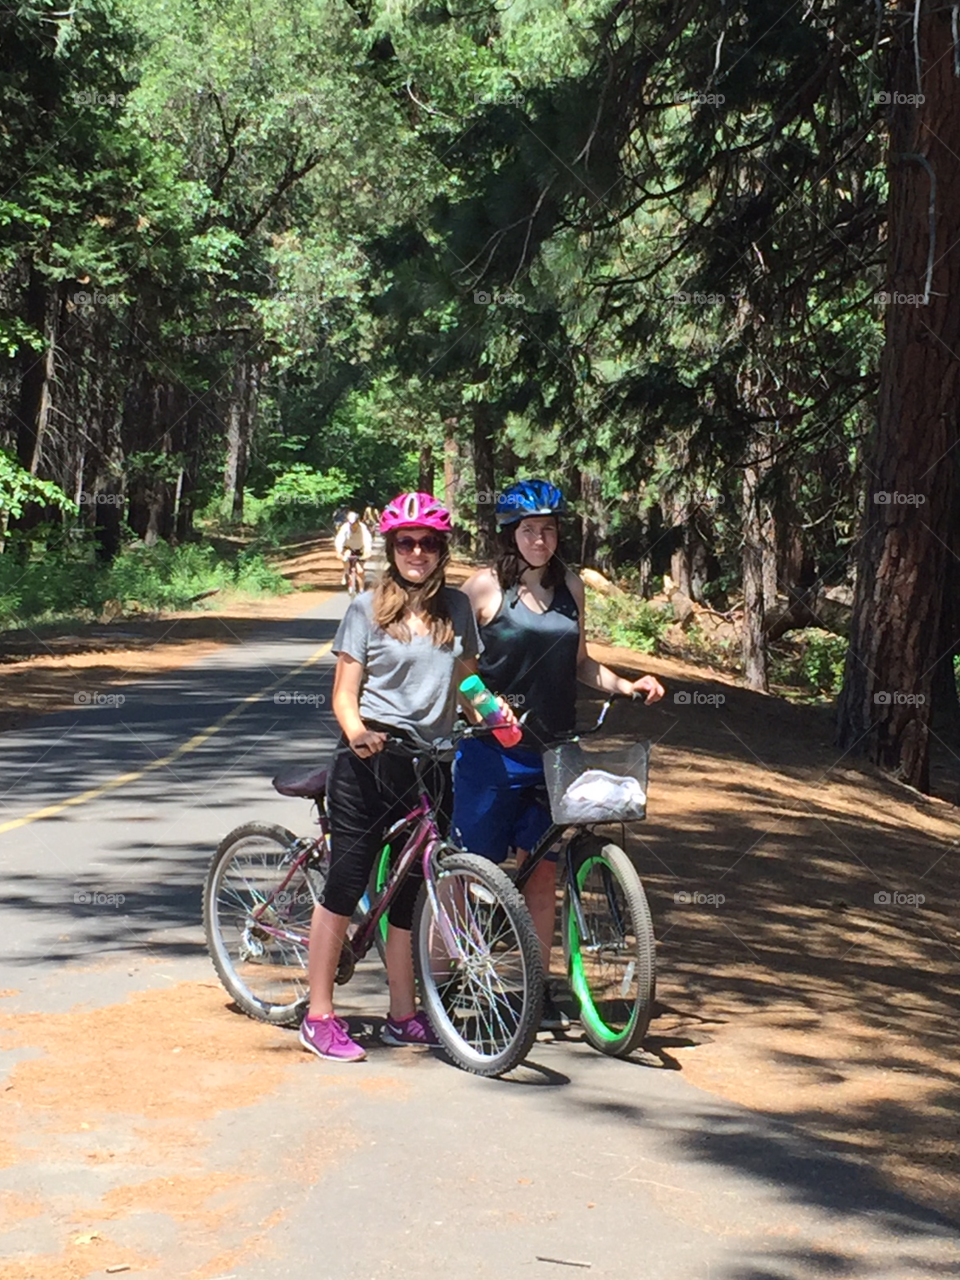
(329, 1037)
(413, 1030)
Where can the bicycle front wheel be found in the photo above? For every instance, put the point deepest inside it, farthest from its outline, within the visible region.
(257, 921)
(479, 970)
(611, 961)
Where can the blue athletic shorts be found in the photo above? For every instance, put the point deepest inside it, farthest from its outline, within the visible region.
(497, 801)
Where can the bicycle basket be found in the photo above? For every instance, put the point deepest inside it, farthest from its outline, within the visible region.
(597, 786)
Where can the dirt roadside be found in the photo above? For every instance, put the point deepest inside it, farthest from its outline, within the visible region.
(786, 985)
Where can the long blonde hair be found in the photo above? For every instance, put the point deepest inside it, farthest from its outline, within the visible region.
(393, 596)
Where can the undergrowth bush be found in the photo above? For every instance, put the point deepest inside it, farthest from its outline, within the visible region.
(811, 659)
(626, 620)
(67, 581)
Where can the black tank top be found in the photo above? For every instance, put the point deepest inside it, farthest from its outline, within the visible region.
(532, 657)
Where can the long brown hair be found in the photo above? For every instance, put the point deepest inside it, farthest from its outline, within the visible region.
(393, 596)
(509, 564)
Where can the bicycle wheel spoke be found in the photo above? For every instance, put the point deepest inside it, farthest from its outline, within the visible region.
(253, 910)
(483, 979)
(610, 948)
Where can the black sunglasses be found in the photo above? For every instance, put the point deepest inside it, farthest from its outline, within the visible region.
(430, 545)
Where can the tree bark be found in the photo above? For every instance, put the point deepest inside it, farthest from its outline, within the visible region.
(240, 415)
(753, 642)
(427, 474)
(450, 467)
(595, 524)
(33, 407)
(906, 541)
(485, 422)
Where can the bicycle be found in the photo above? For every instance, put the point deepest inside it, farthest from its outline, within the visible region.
(476, 954)
(354, 572)
(608, 938)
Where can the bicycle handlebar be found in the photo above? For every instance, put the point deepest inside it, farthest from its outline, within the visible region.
(576, 734)
(445, 748)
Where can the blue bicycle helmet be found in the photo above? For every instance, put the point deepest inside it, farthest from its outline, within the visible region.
(528, 498)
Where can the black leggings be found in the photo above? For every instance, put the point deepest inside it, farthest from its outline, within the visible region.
(364, 798)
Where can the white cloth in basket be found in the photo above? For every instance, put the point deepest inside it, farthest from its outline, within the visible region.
(597, 794)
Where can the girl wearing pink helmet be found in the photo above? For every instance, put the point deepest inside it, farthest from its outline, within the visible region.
(401, 649)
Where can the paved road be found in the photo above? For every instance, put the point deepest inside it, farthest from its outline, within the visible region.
(243, 1157)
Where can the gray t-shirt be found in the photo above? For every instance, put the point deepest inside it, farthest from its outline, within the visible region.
(410, 685)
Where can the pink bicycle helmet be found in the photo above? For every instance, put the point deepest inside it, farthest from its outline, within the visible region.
(409, 510)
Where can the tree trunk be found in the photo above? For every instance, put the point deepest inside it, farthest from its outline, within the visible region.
(427, 471)
(485, 421)
(754, 603)
(594, 527)
(36, 388)
(450, 467)
(36, 374)
(907, 539)
(240, 416)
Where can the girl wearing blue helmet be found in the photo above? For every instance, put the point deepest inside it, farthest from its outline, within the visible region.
(530, 608)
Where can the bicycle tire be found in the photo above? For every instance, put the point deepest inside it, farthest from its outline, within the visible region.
(267, 977)
(484, 1004)
(378, 879)
(614, 976)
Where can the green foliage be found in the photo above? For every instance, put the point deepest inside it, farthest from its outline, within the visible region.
(812, 660)
(626, 620)
(299, 500)
(69, 583)
(18, 487)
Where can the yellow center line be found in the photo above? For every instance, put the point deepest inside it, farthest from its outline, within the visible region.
(51, 810)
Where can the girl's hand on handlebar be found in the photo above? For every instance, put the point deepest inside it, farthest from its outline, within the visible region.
(367, 743)
(650, 686)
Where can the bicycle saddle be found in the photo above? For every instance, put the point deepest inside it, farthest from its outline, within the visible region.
(311, 785)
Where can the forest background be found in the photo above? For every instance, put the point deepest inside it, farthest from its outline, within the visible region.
(698, 267)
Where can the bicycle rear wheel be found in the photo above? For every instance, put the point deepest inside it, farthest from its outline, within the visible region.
(257, 932)
(612, 967)
(484, 993)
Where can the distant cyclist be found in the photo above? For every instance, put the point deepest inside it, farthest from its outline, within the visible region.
(353, 545)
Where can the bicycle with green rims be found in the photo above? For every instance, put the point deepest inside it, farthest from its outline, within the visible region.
(608, 939)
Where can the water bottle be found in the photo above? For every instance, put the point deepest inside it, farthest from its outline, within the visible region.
(490, 711)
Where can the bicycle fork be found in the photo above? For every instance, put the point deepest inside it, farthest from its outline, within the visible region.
(587, 941)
